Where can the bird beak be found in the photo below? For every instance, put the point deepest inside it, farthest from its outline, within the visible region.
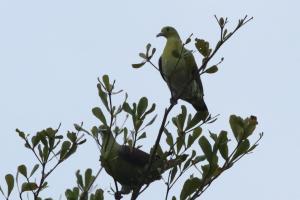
(160, 34)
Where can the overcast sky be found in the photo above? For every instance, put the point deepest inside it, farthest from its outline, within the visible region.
(51, 53)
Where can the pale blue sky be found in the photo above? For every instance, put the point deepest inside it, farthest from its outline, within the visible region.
(51, 53)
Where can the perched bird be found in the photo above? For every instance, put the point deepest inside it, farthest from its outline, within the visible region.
(178, 68)
(129, 166)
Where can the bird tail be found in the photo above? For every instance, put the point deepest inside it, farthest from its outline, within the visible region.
(200, 106)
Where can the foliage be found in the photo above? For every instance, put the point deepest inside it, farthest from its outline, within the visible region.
(184, 136)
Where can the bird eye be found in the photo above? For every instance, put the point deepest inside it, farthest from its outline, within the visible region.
(168, 29)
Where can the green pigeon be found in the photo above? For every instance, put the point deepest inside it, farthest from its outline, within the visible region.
(129, 165)
(178, 67)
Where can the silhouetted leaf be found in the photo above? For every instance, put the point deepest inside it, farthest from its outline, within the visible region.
(237, 124)
(206, 148)
(22, 170)
(29, 186)
(190, 186)
(212, 69)
(34, 169)
(138, 65)
(243, 148)
(196, 133)
(9, 178)
(99, 114)
(142, 106)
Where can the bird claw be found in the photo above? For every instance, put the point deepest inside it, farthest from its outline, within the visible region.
(118, 195)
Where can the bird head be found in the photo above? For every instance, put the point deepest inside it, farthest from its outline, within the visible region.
(168, 32)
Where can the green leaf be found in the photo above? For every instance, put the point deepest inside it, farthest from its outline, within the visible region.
(203, 47)
(142, 106)
(142, 55)
(250, 125)
(242, 149)
(223, 147)
(79, 179)
(190, 186)
(212, 69)
(127, 108)
(169, 138)
(173, 173)
(195, 120)
(142, 136)
(103, 96)
(196, 133)
(99, 194)
(180, 142)
(138, 65)
(9, 178)
(237, 124)
(105, 79)
(150, 110)
(21, 134)
(29, 186)
(72, 136)
(34, 169)
(64, 149)
(88, 178)
(206, 148)
(22, 170)
(99, 114)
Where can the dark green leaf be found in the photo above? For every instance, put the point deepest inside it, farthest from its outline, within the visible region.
(180, 142)
(173, 173)
(127, 108)
(105, 79)
(102, 95)
(34, 169)
(29, 186)
(142, 55)
(21, 134)
(22, 170)
(223, 147)
(88, 178)
(99, 194)
(9, 178)
(237, 124)
(142, 136)
(142, 106)
(64, 149)
(203, 47)
(72, 136)
(79, 179)
(169, 138)
(99, 114)
(190, 186)
(212, 69)
(206, 148)
(242, 149)
(138, 65)
(195, 120)
(196, 133)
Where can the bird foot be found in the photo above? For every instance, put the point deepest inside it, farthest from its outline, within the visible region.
(118, 195)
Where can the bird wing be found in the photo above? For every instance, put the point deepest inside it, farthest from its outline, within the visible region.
(190, 61)
(160, 68)
(133, 155)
